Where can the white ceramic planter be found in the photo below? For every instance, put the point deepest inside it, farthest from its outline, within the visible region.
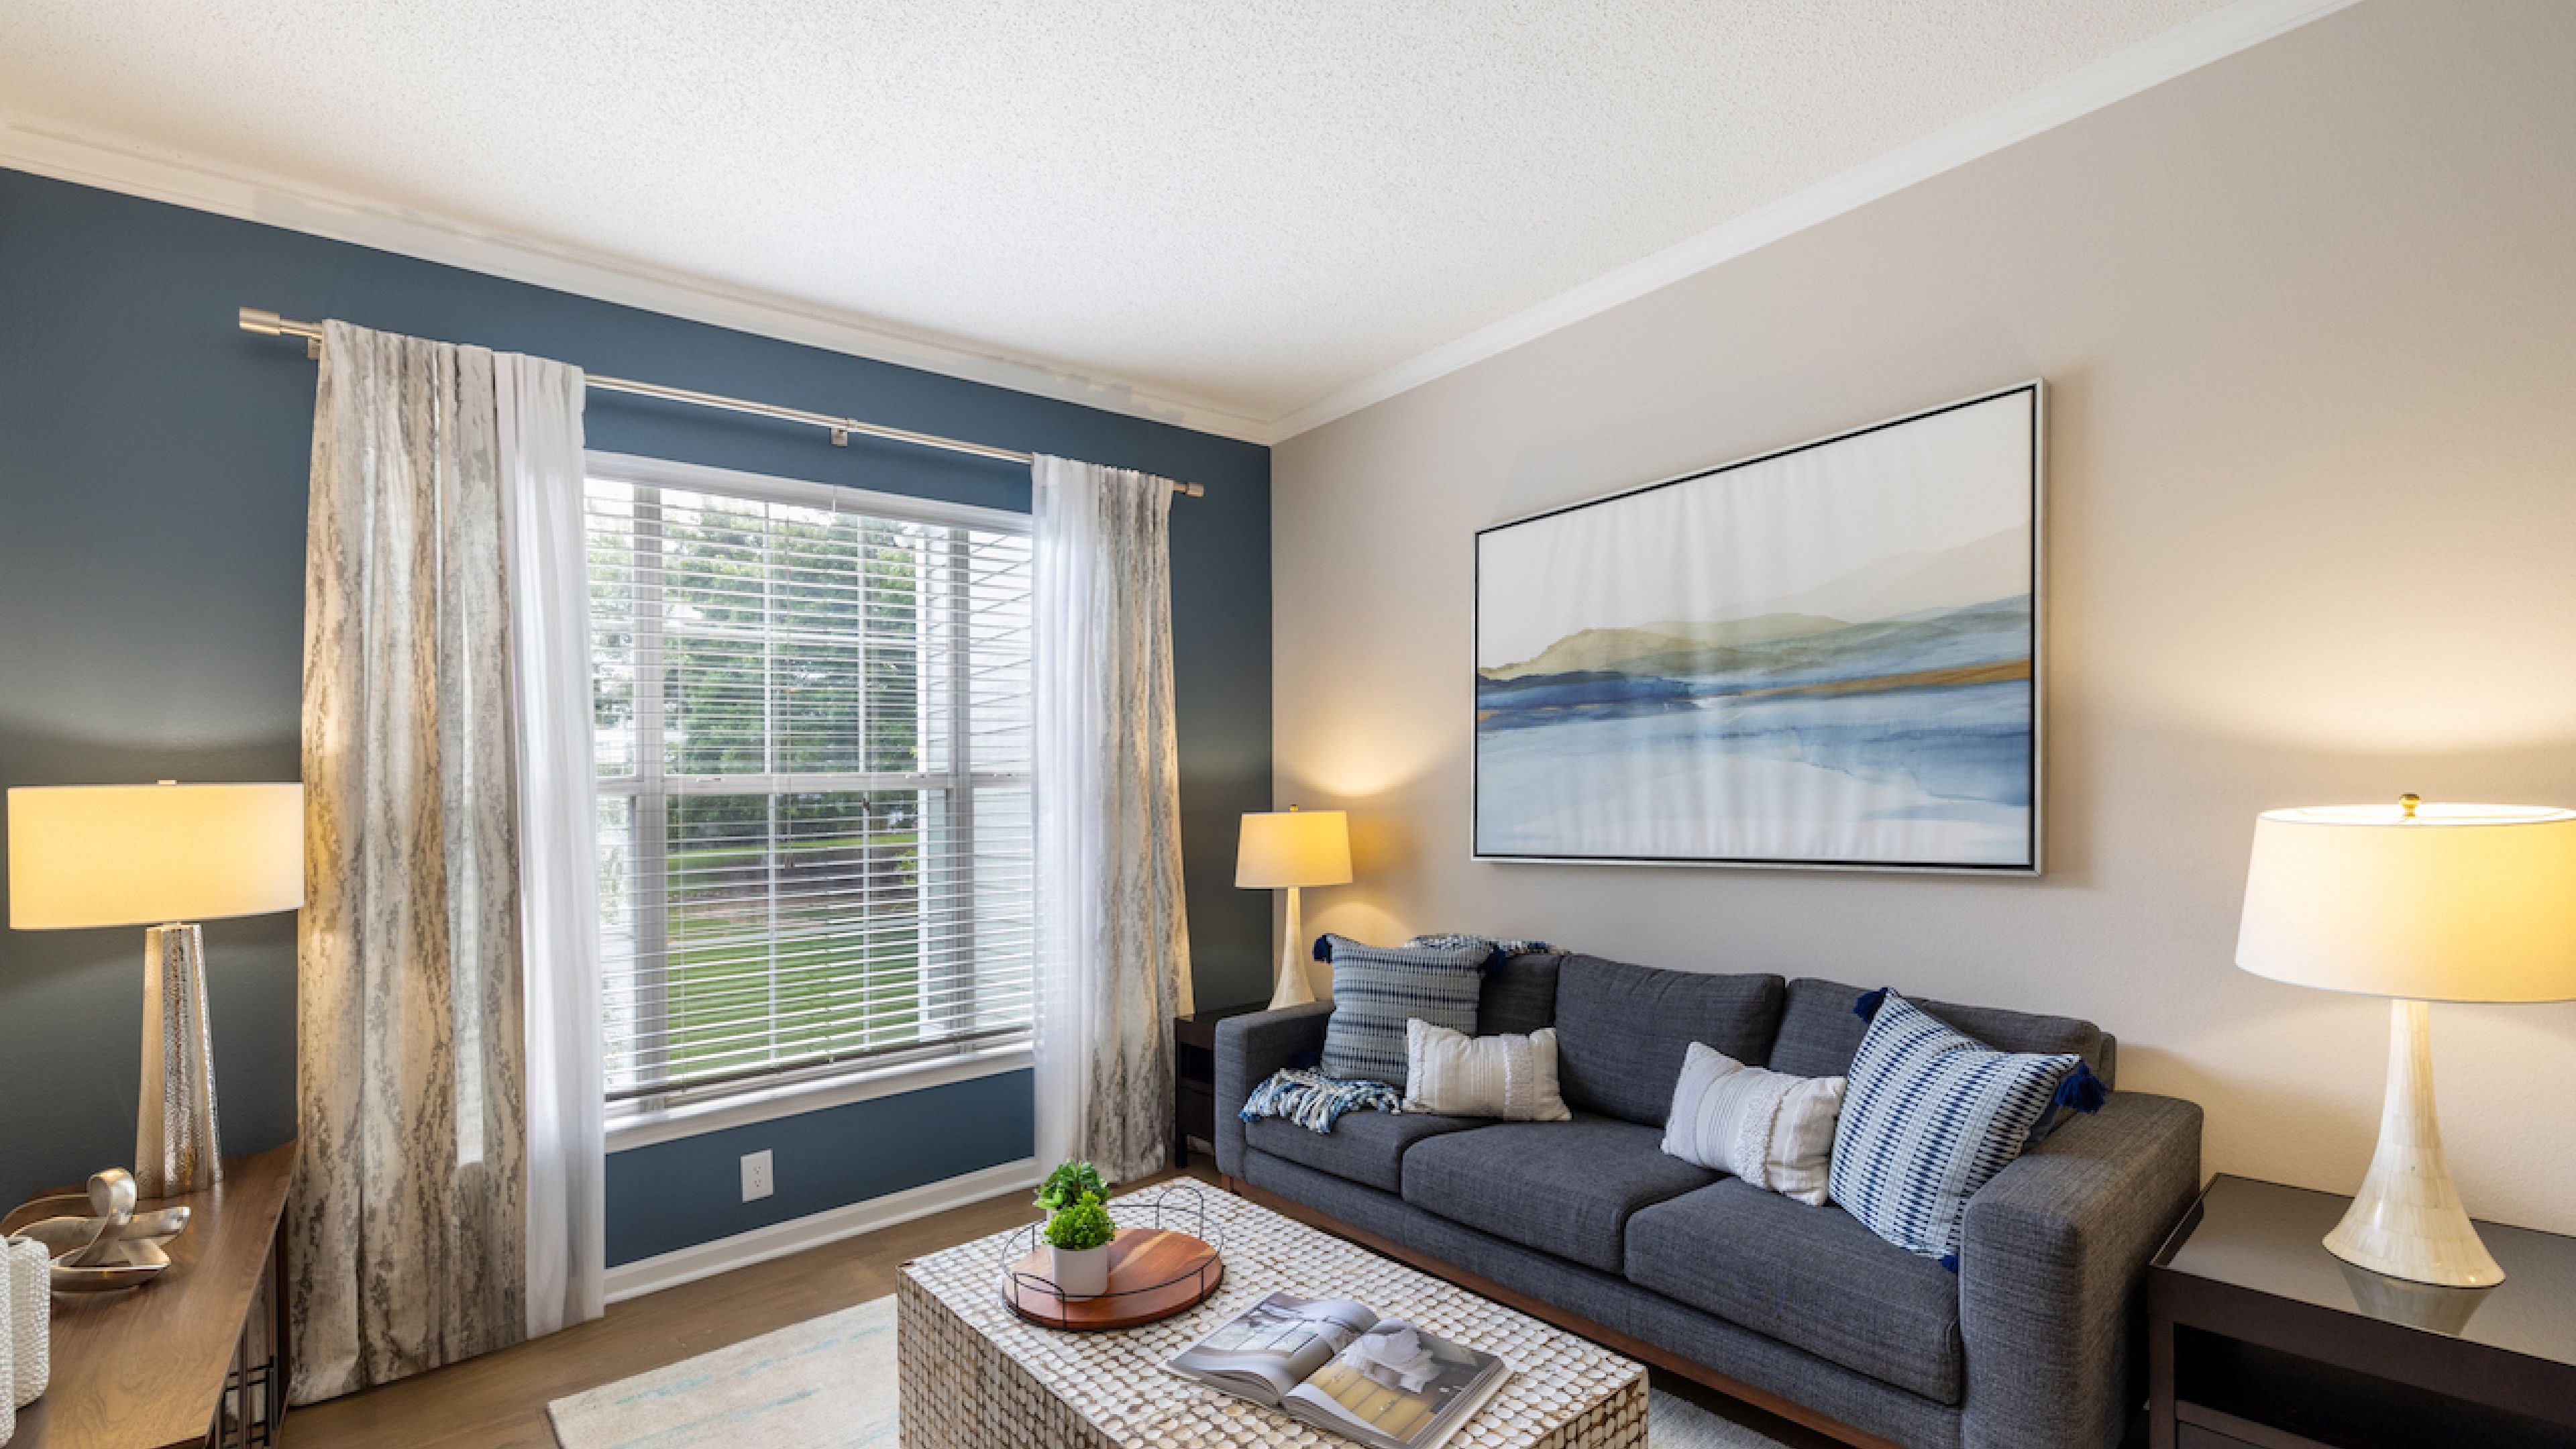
(1080, 1272)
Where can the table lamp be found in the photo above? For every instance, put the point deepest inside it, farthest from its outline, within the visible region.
(2418, 903)
(160, 856)
(1293, 848)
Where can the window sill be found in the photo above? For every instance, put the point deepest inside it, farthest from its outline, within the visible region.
(643, 1129)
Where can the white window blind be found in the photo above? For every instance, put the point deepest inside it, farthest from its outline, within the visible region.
(813, 737)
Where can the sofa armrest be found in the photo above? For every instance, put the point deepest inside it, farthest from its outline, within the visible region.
(2055, 1250)
(1250, 1048)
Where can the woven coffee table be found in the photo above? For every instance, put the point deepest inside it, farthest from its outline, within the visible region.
(975, 1376)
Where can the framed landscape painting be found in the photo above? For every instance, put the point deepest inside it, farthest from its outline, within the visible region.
(1825, 656)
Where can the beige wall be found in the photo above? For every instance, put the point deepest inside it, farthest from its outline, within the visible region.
(2309, 315)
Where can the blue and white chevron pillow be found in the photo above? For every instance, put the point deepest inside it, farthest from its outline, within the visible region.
(1377, 989)
(1930, 1116)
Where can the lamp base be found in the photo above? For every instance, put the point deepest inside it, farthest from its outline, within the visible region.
(175, 1146)
(2407, 1221)
(1292, 988)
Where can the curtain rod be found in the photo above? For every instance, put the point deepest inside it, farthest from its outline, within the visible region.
(254, 319)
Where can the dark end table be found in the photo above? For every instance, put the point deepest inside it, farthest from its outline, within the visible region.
(1194, 1076)
(2258, 1338)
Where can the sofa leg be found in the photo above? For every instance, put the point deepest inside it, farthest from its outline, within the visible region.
(1229, 1184)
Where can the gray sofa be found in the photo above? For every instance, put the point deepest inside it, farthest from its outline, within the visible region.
(2032, 1344)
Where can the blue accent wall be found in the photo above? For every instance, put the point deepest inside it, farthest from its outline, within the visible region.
(818, 1160)
(152, 515)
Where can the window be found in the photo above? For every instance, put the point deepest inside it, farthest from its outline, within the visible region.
(812, 715)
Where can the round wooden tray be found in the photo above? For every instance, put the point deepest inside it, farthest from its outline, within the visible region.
(1153, 1274)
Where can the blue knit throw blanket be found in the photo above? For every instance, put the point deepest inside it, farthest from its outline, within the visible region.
(1503, 950)
(1315, 1101)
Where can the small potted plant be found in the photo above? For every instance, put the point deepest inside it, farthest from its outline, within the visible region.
(1078, 1229)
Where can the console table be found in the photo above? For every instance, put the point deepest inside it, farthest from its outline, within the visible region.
(2258, 1338)
(197, 1356)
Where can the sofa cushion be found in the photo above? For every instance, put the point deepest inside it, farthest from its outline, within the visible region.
(1621, 1031)
(1518, 996)
(1768, 1128)
(1511, 1078)
(1808, 1276)
(1364, 1147)
(1565, 1188)
(1377, 989)
(1930, 1116)
(1819, 1031)
(1692, 1335)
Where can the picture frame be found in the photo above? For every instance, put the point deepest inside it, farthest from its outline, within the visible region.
(1829, 656)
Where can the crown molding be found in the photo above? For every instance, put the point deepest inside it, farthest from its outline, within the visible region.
(238, 192)
(2187, 47)
(67, 155)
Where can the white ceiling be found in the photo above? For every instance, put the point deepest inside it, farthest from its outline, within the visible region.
(1250, 206)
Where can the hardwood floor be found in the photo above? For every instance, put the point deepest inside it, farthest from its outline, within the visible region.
(499, 1401)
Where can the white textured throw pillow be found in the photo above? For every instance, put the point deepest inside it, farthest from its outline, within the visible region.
(1773, 1130)
(1510, 1077)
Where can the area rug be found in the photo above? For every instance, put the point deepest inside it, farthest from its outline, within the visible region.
(829, 1383)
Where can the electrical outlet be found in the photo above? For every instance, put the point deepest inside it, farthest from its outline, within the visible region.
(756, 1181)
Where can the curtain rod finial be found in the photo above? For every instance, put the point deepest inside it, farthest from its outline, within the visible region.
(260, 319)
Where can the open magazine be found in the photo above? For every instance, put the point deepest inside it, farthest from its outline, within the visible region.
(1336, 1365)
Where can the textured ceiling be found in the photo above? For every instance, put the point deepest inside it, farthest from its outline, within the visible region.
(1250, 204)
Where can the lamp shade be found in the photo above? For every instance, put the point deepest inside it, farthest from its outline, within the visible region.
(1293, 847)
(2422, 903)
(140, 855)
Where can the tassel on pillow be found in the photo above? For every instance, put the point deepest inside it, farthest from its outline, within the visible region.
(2082, 1090)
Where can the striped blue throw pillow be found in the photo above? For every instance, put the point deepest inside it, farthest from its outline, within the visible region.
(1930, 1116)
(1377, 989)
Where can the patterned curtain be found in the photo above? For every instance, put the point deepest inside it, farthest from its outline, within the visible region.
(408, 1231)
(1113, 948)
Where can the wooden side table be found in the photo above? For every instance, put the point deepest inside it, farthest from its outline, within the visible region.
(1194, 1076)
(195, 1357)
(2258, 1338)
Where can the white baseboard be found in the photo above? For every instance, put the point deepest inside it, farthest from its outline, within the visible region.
(705, 1260)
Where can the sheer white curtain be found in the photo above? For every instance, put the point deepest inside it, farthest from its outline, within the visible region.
(1113, 935)
(539, 404)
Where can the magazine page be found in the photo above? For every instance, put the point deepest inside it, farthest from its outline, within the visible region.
(1398, 1387)
(1274, 1344)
